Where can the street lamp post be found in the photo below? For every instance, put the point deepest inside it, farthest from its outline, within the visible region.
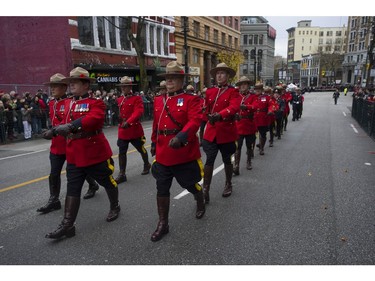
(309, 58)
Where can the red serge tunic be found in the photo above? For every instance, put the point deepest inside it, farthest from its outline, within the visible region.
(186, 110)
(246, 125)
(262, 105)
(90, 150)
(226, 101)
(287, 97)
(56, 114)
(131, 110)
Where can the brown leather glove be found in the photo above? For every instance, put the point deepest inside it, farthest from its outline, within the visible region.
(48, 134)
(153, 149)
(64, 130)
(125, 125)
(175, 143)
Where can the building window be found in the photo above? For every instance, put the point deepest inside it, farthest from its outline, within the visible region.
(250, 39)
(101, 31)
(328, 48)
(338, 33)
(196, 27)
(236, 43)
(206, 33)
(85, 31)
(195, 55)
(260, 39)
(246, 54)
(223, 38)
(159, 40)
(245, 39)
(329, 33)
(230, 23)
(255, 39)
(236, 24)
(124, 40)
(321, 33)
(112, 32)
(216, 36)
(152, 39)
(230, 41)
(166, 42)
(329, 41)
(223, 20)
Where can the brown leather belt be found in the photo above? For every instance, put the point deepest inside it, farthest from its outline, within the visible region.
(246, 117)
(81, 135)
(167, 132)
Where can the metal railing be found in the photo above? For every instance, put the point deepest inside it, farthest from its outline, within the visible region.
(363, 111)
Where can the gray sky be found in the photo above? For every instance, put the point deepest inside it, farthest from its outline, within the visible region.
(281, 24)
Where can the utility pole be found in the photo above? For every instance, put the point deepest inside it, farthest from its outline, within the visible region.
(185, 24)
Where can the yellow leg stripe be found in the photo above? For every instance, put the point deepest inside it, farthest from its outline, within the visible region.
(198, 186)
(112, 168)
(201, 167)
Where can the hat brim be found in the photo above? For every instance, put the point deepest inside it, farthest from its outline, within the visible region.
(242, 82)
(55, 83)
(120, 85)
(68, 79)
(231, 72)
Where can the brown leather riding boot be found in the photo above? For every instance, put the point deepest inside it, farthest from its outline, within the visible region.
(114, 204)
(146, 164)
(208, 171)
(261, 145)
(54, 190)
(122, 161)
(93, 188)
(237, 158)
(248, 162)
(163, 211)
(201, 209)
(66, 227)
(228, 180)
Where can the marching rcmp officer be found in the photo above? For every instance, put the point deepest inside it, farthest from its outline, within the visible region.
(287, 97)
(279, 112)
(58, 145)
(271, 117)
(246, 127)
(175, 144)
(222, 102)
(263, 107)
(130, 129)
(297, 101)
(87, 151)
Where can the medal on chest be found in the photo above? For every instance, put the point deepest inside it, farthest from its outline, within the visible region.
(180, 102)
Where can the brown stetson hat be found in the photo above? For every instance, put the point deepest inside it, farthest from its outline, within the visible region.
(243, 80)
(162, 85)
(174, 68)
(79, 73)
(56, 79)
(126, 81)
(258, 86)
(223, 66)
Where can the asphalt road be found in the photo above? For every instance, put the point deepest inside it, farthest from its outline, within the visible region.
(308, 201)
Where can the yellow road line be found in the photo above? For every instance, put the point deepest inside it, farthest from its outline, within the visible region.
(46, 177)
